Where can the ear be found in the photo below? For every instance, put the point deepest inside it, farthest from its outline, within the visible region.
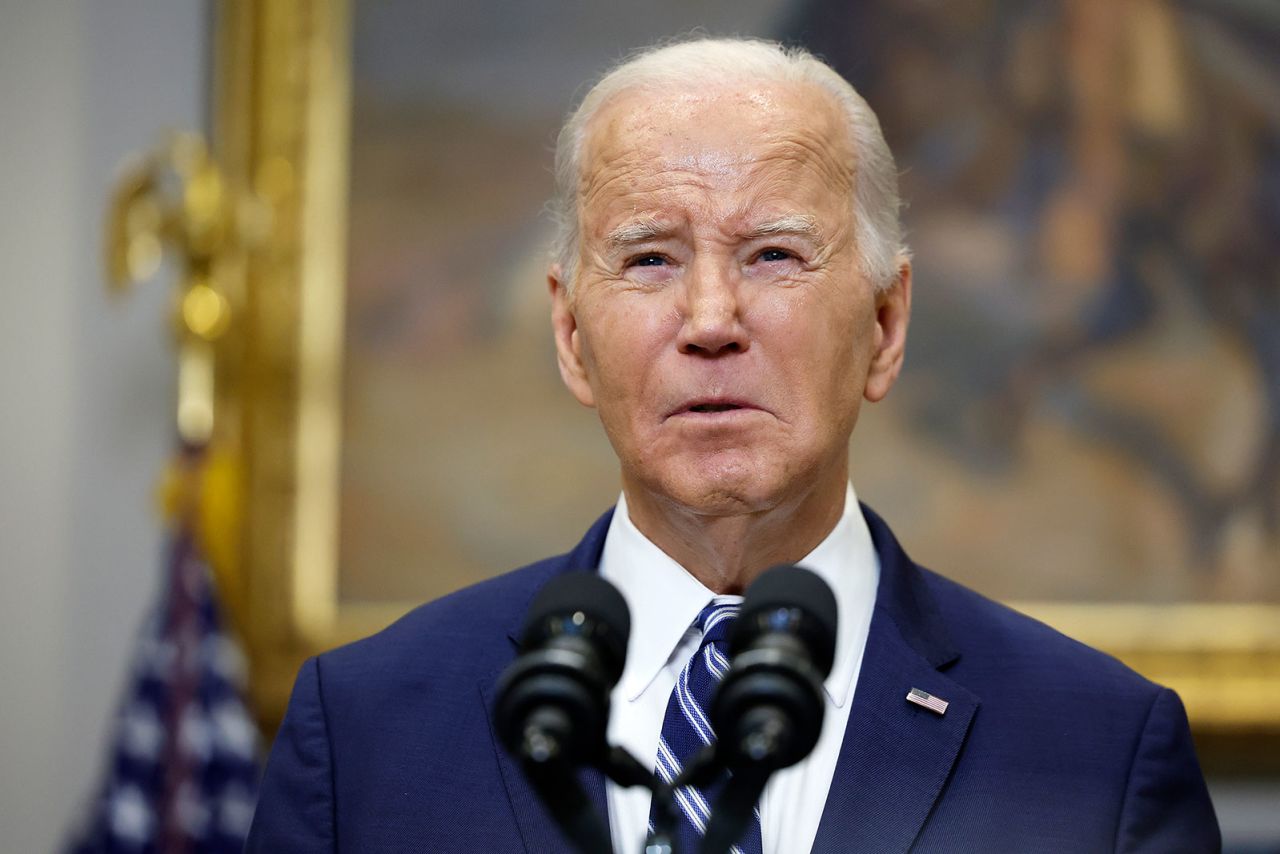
(893, 313)
(564, 325)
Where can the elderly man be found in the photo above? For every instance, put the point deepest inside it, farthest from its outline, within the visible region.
(730, 286)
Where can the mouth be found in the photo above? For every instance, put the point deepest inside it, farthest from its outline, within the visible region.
(713, 406)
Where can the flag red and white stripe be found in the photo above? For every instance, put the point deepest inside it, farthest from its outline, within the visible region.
(927, 700)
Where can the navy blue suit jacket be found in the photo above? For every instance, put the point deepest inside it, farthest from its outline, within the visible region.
(1047, 745)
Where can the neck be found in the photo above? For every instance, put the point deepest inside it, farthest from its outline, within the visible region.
(727, 552)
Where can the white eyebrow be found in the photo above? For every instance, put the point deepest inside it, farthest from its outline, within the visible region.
(637, 231)
(802, 225)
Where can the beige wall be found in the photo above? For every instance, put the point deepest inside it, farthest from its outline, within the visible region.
(86, 383)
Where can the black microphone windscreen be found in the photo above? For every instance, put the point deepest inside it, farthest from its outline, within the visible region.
(586, 593)
(793, 587)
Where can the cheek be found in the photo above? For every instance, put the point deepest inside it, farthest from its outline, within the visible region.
(621, 343)
(826, 344)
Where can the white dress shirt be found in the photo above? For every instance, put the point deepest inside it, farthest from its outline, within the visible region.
(665, 600)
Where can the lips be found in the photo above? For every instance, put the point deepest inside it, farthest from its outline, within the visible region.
(712, 406)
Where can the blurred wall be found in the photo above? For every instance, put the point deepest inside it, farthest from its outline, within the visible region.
(86, 383)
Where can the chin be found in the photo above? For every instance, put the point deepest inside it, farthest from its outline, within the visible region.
(722, 489)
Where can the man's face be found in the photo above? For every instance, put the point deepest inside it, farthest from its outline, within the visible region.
(719, 322)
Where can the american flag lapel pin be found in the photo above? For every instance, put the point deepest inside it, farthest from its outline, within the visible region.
(926, 700)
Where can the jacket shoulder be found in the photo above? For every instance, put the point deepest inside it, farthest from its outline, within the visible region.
(1001, 645)
(1102, 757)
(993, 648)
(465, 632)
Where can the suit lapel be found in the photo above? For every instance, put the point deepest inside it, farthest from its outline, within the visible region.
(896, 756)
(537, 829)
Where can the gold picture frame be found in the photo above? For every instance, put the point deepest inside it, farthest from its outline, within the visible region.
(282, 70)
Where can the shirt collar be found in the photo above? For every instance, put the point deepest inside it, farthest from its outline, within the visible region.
(665, 599)
(847, 561)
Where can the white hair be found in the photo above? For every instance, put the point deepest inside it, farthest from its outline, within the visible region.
(877, 230)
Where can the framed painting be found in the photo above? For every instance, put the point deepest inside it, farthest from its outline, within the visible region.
(1088, 427)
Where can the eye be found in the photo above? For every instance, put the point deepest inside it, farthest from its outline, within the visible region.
(774, 254)
(650, 260)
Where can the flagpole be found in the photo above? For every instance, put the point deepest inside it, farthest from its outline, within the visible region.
(183, 764)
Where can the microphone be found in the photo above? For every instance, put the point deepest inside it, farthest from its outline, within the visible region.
(553, 701)
(552, 705)
(768, 710)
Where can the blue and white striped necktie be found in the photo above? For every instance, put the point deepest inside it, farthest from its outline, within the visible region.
(686, 730)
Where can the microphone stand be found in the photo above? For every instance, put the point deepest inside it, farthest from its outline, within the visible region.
(553, 777)
(556, 783)
(559, 789)
(552, 772)
(625, 770)
(733, 810)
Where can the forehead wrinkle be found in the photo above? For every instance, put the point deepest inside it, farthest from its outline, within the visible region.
(631, 176)
(634, 162)
(835, 168)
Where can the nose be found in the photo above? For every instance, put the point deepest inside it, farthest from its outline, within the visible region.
(711, 311)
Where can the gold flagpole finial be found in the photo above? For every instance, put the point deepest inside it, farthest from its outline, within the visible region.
(175, 202)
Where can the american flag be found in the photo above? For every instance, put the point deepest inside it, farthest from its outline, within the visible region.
(182, 773)
(928, 701)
